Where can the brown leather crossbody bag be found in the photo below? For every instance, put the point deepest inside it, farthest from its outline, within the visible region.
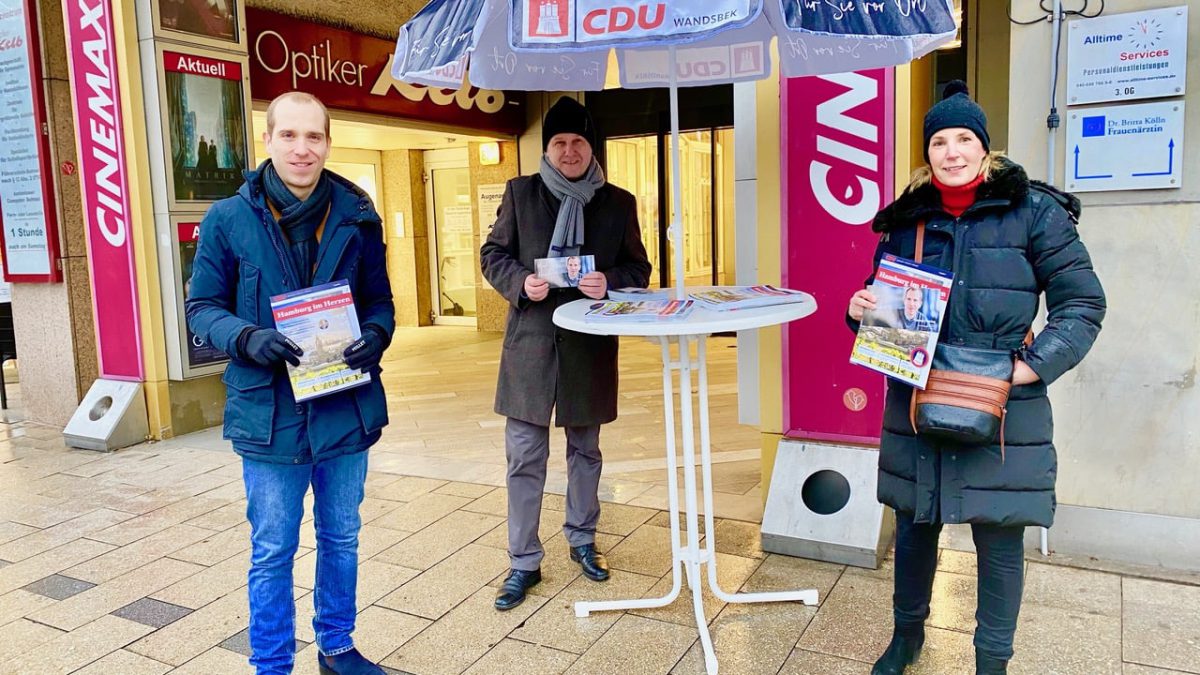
(965, 399)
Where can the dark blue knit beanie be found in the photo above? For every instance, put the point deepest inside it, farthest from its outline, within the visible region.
(568, 116)
(956, 110)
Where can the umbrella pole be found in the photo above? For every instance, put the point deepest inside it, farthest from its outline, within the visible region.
(676, 180)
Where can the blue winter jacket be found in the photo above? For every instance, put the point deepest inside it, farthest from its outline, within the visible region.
(242, 261)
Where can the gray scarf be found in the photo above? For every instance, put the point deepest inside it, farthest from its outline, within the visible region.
(574, 195)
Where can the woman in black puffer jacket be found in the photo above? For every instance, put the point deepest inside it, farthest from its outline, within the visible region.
(1008, 241)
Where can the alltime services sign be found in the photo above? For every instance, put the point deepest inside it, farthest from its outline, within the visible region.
(1124, 57)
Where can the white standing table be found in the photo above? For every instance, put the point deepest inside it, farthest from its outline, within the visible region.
(690, 556)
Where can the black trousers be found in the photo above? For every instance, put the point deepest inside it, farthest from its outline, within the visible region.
(1001, 580)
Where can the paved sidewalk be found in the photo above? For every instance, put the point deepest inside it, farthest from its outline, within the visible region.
(134, 563)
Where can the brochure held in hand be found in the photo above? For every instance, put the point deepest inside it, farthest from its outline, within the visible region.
(323, 321)
(899, 336)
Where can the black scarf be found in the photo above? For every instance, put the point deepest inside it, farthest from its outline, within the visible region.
(299, 219)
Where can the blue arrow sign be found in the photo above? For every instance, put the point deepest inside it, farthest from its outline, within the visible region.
(1170, 162)
(1078, 177)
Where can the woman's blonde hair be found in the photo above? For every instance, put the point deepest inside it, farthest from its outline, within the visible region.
(924, 174)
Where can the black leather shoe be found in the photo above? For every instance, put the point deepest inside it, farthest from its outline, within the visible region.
(901, 653)
(347, 663)
(591, 561)
(512, 592)
(986, 665)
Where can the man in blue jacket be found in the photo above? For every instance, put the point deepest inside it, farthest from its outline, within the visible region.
(293, 225)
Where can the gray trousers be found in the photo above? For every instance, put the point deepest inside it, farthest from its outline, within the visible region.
(527, 447)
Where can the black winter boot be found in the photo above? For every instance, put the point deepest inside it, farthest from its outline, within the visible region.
(903, 651)
(987, 665)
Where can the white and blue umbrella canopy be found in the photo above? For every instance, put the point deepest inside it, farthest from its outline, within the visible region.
(564, 45)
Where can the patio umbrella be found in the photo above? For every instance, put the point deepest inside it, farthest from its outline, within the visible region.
(564, 45)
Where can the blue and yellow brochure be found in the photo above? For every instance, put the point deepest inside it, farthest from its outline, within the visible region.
(899, 336)
(323, 322)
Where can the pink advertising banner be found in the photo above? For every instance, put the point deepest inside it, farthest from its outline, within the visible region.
(837, 171)
(105, 186)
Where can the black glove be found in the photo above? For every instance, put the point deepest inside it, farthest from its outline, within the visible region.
(367, 351)
(267, 347)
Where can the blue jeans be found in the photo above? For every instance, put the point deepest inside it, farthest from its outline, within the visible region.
(1000, 552)
(275, 506)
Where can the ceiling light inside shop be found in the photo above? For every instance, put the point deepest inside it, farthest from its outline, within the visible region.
(489, 153)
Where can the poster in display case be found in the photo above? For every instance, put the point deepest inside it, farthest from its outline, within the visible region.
(194, 357)
(210, 23)
(28, 226)
(205, 126)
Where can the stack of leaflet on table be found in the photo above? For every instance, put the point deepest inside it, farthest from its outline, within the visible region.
(641, 311)
(726, 298)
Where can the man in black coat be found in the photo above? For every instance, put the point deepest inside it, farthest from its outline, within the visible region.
(566, 209)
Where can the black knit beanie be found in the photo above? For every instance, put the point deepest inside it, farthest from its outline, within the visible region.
(568, 116)
(956, 110)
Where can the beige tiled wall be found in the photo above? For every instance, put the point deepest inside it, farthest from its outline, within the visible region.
(491, 307)
(408, 256)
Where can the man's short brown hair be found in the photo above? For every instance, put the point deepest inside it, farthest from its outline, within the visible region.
(295, 97)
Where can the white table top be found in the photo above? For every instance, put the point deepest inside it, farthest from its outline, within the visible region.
(700, 322)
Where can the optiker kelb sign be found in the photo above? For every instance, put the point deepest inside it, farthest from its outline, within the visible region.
(595, 23)
(349, 71)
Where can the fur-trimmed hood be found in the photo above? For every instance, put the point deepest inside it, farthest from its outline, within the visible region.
(1007, 187)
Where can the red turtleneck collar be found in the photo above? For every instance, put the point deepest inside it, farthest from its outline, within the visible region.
(956, 200)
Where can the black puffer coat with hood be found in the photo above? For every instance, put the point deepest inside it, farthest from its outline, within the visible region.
(1017, 244)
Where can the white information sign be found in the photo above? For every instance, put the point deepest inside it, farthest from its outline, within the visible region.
(1125, 147)
(489, 197)
(21, 202)
(457, 219)
(1122, 57)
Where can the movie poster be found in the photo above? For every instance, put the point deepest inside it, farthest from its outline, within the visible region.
(206, 119)
(215, 19)
(199, 353)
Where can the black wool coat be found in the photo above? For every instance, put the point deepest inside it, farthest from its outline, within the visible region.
(1016, 245)
(544, 368)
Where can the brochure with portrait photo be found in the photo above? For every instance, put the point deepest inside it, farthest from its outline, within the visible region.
(564, 272)
(899, 336)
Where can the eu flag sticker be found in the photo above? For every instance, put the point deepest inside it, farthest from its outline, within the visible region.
(1093, 126)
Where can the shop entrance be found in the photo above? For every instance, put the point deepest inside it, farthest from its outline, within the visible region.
(642, 165)
(636, 153)
(452, 244)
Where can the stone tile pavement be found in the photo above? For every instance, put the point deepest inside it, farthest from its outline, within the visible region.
(135, 563)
